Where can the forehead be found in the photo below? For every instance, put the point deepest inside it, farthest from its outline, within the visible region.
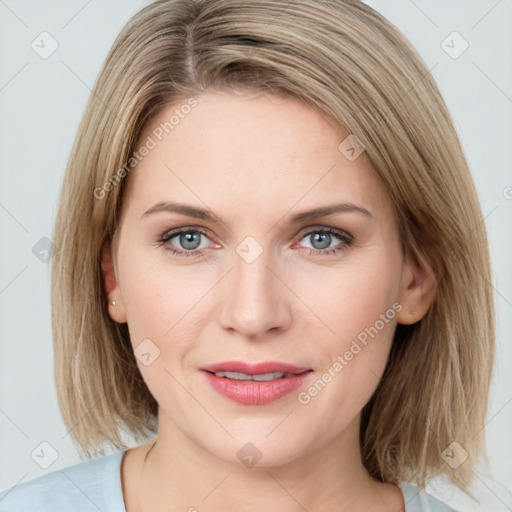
(249, 153)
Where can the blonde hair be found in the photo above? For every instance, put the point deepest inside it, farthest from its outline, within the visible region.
(342, 58)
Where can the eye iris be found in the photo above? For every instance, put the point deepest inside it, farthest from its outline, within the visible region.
(187, 240)
(323, 238)
(191, 240)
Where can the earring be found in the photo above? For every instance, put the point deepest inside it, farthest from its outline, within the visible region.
(113, 303)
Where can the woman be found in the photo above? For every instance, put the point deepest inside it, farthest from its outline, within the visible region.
(271, 256)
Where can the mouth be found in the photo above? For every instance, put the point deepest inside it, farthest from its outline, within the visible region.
(255, 384)
(251, 369)
(262, 377)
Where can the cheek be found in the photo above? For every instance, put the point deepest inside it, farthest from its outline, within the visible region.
(357, 307)
(351, 298)
(160, 303)
(170, 305)
(160, 308)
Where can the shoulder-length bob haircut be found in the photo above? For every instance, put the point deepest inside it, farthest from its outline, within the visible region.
(344, 59)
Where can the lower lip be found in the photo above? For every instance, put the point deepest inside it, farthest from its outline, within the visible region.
(250, 392)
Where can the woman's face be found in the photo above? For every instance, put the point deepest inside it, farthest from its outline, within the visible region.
(256, 279)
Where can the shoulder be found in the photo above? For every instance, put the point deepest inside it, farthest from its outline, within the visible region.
(420, 501)
(87, 486)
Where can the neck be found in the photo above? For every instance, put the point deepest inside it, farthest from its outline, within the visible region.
(177, 471)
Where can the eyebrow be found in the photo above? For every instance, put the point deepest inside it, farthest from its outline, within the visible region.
(206, 215)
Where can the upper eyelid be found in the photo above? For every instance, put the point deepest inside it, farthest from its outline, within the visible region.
(171, 233)
(320, 227)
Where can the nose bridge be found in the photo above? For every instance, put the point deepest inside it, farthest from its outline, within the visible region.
(256, 301)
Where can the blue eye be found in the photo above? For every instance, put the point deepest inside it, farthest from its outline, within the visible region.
(190, 241)
(321, 239)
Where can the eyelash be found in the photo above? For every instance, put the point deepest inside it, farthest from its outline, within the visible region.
(346, 239)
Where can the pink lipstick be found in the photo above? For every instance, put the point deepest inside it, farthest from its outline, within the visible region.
(254, 384)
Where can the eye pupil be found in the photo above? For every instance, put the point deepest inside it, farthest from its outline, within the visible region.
(191, 240)
(323, 238)
(187, 240)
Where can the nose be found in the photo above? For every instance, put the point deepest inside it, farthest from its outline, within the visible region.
(257, 299)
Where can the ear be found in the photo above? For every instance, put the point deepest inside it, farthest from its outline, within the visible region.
(417, 290)
(117, 311)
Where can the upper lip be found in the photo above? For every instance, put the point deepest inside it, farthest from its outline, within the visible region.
(254, 368)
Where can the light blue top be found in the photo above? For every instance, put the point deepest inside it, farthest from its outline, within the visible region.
(95, 485)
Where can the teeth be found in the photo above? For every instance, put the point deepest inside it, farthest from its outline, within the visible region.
(244, 376)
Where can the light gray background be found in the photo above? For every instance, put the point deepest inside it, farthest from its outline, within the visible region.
(41, 103)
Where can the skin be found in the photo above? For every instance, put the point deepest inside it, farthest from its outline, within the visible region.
(255, 160)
